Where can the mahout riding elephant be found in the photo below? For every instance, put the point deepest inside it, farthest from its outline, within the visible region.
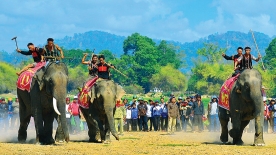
(100, 115)
(45, 101)
(245, 104)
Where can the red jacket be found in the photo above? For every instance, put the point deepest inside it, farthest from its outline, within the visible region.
(74, 108)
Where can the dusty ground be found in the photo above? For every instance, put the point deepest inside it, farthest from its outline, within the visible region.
(140, 143)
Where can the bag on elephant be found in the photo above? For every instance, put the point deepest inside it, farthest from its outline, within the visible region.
(73, 121)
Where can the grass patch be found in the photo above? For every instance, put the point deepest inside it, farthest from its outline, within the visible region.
(174, 145)
(132, 138)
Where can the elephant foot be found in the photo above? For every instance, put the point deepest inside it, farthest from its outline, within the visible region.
(95, 140)
(22, 136)
(238, 142)
(259, 142)
(106, 142)
(67, 139)
(116, 136)
(48, 142)
(224, 139)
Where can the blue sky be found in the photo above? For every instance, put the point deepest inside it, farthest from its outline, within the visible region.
(179, 20)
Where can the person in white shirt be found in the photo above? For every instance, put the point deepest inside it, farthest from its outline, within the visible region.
(68, 115)
(149, 113)
(128, 117)
(213, 114)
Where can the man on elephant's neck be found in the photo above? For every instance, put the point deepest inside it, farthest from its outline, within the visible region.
(103, 68)
(245, 60)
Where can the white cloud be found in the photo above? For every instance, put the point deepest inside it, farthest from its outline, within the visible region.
(37, 20)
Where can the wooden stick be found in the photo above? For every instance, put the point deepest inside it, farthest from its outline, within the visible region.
(257, 49)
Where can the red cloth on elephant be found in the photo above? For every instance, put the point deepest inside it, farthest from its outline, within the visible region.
(224, 96)
(25, 79)
(83, 95)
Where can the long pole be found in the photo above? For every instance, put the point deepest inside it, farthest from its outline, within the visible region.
(257, 49)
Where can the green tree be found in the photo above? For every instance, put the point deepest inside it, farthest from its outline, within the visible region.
(211, 52)
(8, 78)
(269, 58)
(143, 58)
(108, 55)
(169, 79)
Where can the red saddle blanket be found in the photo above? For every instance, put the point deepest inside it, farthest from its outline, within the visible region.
(83, 95)
(224, 96)
(25, 79)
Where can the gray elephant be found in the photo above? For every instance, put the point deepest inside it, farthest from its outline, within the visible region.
(100, 115)
(245, 104)
(45, 101)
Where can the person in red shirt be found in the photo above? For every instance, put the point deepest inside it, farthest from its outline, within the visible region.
(75, 113)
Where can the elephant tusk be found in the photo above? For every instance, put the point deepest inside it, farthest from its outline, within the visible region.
(55, 106)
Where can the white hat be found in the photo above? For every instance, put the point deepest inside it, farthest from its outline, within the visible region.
(75, 97)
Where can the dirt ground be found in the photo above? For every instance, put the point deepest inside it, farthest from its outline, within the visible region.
(140, 143)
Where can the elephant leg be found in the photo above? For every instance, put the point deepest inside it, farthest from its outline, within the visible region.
(243, 125)
(107, 132)
(93, 125)
(59, 137)
(25, 116)
(224, 119)
(235, 131)
(22, 132)
(258, 139)
(37, 113)
(48, 128)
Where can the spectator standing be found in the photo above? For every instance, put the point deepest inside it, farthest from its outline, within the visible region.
(128, 118)
(3, 114)
(198, 113)
(213, 114)
(178, 121)
(164, 116)
(134, 117)
(190, 106)
(188, 116)
(68, 115)
(149, 114)
(125, 102)
(15, 118)
(156, 116)
(134, 100)
(142, 112)
(75, 113)
(266, 117)
(271, 114)
(119, 116)
(10, 113)
(184, 115)
(274, 118)
(173, 114)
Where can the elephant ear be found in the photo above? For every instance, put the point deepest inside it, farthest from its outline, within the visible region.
(39, 77)
(120, 92)
(92, 94)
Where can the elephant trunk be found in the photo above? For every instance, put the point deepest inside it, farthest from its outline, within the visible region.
(61, 108)
(256, 96)
(110, 118)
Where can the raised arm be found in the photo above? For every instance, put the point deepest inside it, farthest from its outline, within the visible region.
(83, 60)
(227, 57)
(24, 52)
(256, 59)
(60, 50)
